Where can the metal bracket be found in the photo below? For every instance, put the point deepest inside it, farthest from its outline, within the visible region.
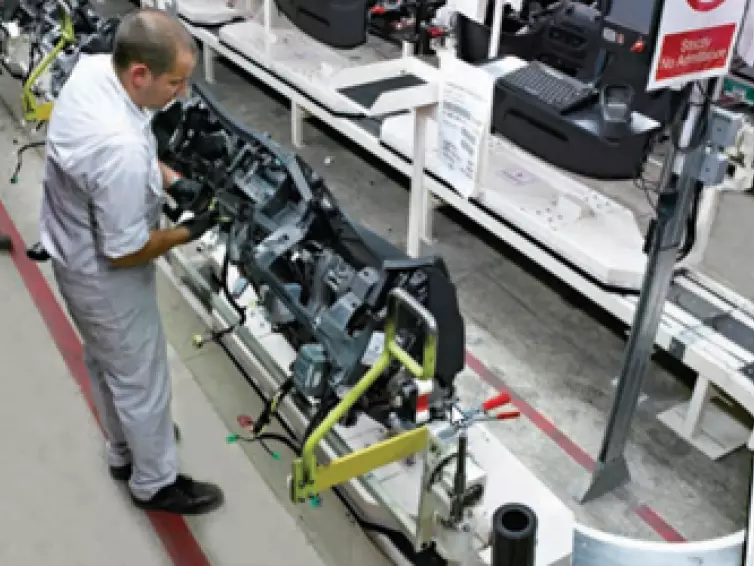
(34, 112)
(309, 479)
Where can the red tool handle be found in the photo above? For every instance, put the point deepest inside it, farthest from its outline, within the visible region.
(507, 416)
(495, 402)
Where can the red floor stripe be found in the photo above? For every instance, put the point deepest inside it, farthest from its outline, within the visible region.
(175, 534)
(578, 454)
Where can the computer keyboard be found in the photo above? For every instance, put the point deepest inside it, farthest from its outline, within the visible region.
(548, 86)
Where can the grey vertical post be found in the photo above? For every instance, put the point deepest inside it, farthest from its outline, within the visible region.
(674, 206)
(748, 558)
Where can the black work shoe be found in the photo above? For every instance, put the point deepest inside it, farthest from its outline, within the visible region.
(123, 473)
(184, 497)
(38, 253)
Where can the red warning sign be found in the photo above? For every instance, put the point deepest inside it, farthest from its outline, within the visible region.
(695, 41)
(705, 5)
(695, 51)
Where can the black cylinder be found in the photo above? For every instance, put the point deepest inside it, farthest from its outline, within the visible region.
(514, 536)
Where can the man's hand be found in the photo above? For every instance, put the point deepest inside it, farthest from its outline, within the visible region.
(185, 192)
(200, 224)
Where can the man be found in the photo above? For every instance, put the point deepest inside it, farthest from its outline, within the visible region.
(103, 192)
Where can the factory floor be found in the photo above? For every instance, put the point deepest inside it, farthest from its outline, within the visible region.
(60, 505)
(526, 331)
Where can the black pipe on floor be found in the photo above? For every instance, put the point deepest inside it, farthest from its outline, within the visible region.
(514, 535)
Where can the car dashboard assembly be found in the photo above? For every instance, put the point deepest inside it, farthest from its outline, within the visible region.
(373, 336)
(322, 279)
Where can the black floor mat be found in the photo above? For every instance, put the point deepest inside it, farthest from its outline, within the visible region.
(366, 94)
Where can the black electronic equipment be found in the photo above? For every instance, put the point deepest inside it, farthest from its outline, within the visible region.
(565, 35)
(625, 55)
(338, 23)
(407, 21)
(589, 140)
(549, 87)
(569, 39)
(576, 104)
(615, 109)
(607, 42)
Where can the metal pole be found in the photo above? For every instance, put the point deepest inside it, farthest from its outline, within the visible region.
(679, 185)
(748, 551)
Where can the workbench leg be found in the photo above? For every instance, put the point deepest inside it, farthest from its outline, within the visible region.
(209, 64)
(699, 399)
(428, 207)
(298, 115)
(419, 199)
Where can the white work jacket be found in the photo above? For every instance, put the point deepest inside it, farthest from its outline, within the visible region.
(102, 183)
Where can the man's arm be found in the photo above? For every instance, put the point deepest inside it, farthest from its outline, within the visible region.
(159, 243)
(119, 182)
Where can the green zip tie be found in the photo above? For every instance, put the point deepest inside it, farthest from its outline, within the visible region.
(316, 502)
(231, 438)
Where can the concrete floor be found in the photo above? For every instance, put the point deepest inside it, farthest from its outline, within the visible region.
(548, 344)
(60, 505)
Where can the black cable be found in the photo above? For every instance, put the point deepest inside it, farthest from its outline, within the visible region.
(698, 135)
(700, 132)
(437, 470)
(240, 311)
(19, 160)
(397, 538)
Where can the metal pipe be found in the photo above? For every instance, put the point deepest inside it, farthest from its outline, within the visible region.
(674, 206)
(497, 25)
(749, 532)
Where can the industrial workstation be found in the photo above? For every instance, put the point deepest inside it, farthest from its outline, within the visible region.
(296, 282)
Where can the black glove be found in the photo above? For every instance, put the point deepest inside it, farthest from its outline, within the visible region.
(185, 192)
(200, 224)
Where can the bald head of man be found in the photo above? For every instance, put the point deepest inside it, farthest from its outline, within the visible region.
(154, 56)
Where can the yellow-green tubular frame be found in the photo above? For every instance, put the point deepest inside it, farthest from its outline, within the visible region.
(309, 479)
(34, 112)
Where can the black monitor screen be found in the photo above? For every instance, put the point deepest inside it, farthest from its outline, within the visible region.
(634, 15)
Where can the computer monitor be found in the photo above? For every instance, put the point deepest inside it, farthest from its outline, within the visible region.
(636, 15)
(338, 23)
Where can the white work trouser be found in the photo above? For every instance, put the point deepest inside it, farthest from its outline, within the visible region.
(125, 352)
